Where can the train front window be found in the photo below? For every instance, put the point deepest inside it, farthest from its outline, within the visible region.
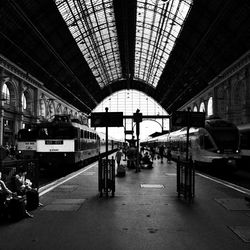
(226, 138)
(27, 135)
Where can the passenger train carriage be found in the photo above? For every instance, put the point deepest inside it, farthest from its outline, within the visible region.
(245, 144)
(62, 142)
(217, 143)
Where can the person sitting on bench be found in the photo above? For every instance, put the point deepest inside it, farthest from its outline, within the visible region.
(23, 186)
(4, 193)
(146, 160)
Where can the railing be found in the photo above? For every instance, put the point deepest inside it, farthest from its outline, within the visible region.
(106, 176)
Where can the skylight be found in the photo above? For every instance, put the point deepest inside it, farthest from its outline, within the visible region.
(158, 25)
(128, 101)
(92, 24)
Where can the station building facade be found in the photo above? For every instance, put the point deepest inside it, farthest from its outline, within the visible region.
(25, 100)
(228, 95)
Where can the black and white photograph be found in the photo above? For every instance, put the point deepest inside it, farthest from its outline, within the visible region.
(124, 124)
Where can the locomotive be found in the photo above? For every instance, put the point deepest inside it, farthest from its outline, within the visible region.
(62, 142)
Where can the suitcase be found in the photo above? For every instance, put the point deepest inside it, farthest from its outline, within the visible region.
(32, 199)
(16, 208)
(121, 171)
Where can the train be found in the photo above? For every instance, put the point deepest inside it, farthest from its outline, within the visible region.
(215, 144)
(26, 142)
(245, 144)
(62, 142)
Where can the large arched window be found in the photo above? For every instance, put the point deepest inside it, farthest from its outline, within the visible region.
(59, 109)
(128, 101)
(24, 101)
(42, 108)
(6, 94)
(202, 107)
(51, 110)
(210, 106)
(195, 109)
(65, 111)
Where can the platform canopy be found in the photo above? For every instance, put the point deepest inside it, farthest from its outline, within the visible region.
(85, 50)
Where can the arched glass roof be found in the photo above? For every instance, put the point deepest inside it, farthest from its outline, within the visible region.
(92, 24)
(158, 25)
(128, 101)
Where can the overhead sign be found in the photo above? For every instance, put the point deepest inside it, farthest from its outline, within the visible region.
(107, 119)
(137, 117)
(187, 118)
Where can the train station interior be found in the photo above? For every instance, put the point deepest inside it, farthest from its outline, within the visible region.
(155, 57)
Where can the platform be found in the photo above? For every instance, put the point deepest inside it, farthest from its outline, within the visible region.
(144, 214)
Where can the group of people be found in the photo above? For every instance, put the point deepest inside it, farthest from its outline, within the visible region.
(20, 188)
(132, 155)
(143, 158)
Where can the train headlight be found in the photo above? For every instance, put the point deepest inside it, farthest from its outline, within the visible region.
(65, 154)
(237, 151)
(218, 151)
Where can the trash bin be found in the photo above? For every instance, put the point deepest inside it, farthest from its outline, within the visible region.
(106, 176)
(185, 179)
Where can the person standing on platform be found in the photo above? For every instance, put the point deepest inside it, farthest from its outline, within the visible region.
(142, 150)
(169, 155)
(161, 151)
(152, 153)
(118, 157)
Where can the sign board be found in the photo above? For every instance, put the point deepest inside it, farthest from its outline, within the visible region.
(185, 118)
(107, 119)
(137, 117)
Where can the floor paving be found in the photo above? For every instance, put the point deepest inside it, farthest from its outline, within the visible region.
(145, 213)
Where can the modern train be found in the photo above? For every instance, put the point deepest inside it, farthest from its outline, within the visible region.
(62, 142)
(217, 144)
(245, 144)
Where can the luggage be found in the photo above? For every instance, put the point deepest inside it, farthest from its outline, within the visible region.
(121, 171)
(16, 208)
(32, 199)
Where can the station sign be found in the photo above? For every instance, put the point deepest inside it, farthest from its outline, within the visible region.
(187, 118)
(107, 119)
(137, 117)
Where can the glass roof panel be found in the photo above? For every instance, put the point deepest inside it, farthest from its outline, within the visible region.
(92, 24)
(128, 101)
(158, 25)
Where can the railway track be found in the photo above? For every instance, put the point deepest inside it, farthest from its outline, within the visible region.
(240, 177)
